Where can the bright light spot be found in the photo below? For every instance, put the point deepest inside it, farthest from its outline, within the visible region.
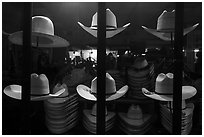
(196, 50)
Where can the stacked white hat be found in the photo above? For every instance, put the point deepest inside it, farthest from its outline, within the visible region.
(90, 116)
(140, 74)
(164, 92)
(119, 80)
(166, 113)
(134, 122)
(61, 113)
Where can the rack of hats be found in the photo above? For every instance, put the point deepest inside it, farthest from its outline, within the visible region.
(125, 87)
(136, 97)
(164, 91)
(60, 103)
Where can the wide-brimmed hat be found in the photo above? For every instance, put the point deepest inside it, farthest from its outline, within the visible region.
(42, 34)
(164, 89)
(166, 26)
(135, 116)
(110, 90)
(91, 115)
(39, 89)
(61, 98)
(140, 68)
(111, 25)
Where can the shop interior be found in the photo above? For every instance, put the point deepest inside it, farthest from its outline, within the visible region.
(138, 54)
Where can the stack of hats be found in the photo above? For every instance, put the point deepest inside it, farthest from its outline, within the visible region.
(61, 113)
(90, 116)
(164, 92)
(134, 121)
(141, 74)
(119, 81)
(186, 120)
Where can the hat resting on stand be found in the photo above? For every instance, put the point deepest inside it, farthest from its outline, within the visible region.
(166, 26)
(42, 34)
(111, 25)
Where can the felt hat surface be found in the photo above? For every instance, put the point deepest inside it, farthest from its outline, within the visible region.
(110, 91)
(166, 26)
(39, 89)
(61, 98)
(135, 117)
(90, 115)
(164, 89)
(42, 34)
(111, 25)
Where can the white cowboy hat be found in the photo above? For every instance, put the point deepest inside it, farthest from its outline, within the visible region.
(110, 90)
(164, 89)
(42, 34)
(135, 117)
(91, 115)
(111, 25)
(166, 26)
(89, 119)
(39, 89)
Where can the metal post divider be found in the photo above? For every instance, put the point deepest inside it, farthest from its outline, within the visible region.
(101, 72)
(25, 102)
(178, 68)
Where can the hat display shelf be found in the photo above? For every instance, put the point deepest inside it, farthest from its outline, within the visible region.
(165, 31)
(111, 93)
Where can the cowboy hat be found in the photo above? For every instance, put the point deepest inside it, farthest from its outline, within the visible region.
(63, 98)
(42, 34)
(135, 117)
(111, 93)
(111, 25)
(164, 89)
(90, 115)
(39, 89)
(166, 26)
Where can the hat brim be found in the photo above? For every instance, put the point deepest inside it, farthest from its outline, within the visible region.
(109, 33)
(166, 36)
(15, 91)
(138, 123)
(187, 92)
(92, 119)
(84, 92)
(45, 40)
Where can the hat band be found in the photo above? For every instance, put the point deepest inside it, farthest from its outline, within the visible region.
(106, 93)
(109, 28)
(163, 93)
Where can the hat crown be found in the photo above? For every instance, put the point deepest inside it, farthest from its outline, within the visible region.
(110, 85)
(39, 84)
(135, 112)
(94, 110)
(164, 83)
(110, 20)
(166, 21)
(42, 24)
(140, 63)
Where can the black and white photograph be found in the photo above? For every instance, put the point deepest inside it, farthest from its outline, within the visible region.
(101, 68)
